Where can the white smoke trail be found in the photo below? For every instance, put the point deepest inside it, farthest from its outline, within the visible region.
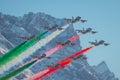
(31, 50)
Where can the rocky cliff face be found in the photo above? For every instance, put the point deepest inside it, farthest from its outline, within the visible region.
(103, 72)
(11, 28)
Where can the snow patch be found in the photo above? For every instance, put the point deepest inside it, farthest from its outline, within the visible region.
(2, 50)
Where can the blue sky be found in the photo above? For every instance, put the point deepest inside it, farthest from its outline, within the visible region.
(102, 15)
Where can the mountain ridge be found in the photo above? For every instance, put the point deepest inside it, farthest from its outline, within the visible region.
(11, 28)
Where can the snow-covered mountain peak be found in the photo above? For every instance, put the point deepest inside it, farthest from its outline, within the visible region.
(12, 28)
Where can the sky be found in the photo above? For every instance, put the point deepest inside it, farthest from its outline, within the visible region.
(102, 15)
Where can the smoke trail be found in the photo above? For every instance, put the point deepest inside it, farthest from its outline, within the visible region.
(31, 50)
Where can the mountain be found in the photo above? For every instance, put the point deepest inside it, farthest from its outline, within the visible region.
(12, 28)
(103, 72)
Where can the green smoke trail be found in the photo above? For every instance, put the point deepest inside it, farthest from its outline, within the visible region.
(17, 71)
(15, 48)
(17, 51)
